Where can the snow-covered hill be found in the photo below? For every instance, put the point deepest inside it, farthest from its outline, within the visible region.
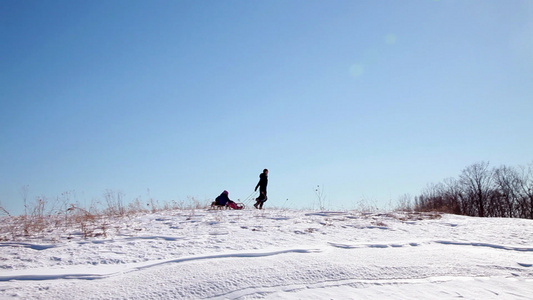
(276, 254)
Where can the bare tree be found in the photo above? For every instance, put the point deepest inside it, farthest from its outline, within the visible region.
(453, 194)
(477, 180)
(507, 183)
(483, 192)
(526, 191)
(431, 198)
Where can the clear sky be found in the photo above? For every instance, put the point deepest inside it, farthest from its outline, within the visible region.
(175, 99)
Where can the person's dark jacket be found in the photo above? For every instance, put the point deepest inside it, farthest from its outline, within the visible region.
(222, 200)
(262, 184)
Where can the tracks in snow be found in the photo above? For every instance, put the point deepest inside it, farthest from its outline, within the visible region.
(415, 244)
(101, 273)
(54, 275)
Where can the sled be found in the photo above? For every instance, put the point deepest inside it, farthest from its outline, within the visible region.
(235, 205)
(229, 205)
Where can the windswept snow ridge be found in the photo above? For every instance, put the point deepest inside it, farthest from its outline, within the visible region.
(143, 266)
(486, 245)
(277, 254)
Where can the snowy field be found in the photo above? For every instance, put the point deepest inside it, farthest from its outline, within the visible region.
(276, 254)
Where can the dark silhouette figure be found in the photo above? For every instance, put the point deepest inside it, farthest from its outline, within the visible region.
(262, 185)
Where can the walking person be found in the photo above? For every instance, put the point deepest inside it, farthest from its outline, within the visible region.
(262, 185)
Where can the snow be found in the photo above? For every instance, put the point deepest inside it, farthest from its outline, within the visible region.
(276, 254)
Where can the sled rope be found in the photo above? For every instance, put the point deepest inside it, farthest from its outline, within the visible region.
(249, 198)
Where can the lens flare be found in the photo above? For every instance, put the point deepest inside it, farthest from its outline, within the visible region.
(357, 70)
(390, 39)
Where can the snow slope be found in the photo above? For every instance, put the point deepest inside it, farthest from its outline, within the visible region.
(277, 254)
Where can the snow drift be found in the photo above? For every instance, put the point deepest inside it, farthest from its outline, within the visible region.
(276, 254)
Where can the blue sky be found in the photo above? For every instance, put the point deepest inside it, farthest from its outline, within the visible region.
(176, 99)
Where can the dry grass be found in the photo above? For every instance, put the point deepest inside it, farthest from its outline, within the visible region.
(61, 219)
(50, 220)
